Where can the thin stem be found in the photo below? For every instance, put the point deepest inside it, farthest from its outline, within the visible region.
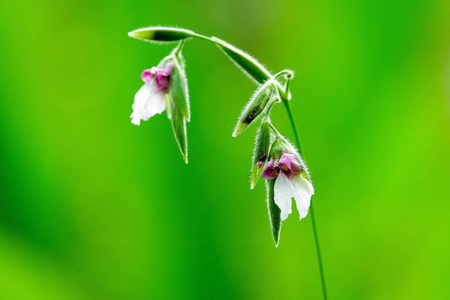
(287, 73)
(204, 37)
(319, 256)
(178, 49)
(311, 210)
(293, 125)
(274, 129)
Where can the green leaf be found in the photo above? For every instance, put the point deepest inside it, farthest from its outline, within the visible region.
(274, 211)
(178, 87)
(178, 126)
(263, 142)
(161, 34)
(257, 104)
(248, 64)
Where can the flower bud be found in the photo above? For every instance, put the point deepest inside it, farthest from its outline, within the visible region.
(257, 104)
(161, 34)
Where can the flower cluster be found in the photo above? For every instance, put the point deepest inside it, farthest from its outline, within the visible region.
(274, 158)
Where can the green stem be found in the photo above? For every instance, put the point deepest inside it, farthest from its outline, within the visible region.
(204, 37)
(311, 210)
(293, 125)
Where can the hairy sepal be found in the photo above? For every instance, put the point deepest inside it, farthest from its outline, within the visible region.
(178, 122)
(274, 211)
(262, 97)
(178, 87)
(261, 153)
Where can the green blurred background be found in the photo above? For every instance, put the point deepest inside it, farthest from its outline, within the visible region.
(93, 207)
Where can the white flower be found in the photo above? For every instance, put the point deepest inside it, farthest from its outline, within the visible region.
(151, 97)
(289, 183)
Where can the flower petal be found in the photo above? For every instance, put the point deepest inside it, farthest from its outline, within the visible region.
(147, 75)
(148, 101)
(157, 104)
(288, 165)
(302, 190)
(283, 195)
(270, 172)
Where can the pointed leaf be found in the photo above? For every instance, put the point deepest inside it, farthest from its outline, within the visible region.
(263, 142)
(248, 64)
(257, 104)
(179, 127)
(178, 87)
(161, 34)
(274, 211)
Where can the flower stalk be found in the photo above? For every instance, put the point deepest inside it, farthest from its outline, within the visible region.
(311, 208)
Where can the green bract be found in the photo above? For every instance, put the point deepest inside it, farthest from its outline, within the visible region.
(274, 211)
(179, 126)
(161, 34)
(263, 142)
(178, 86)
(248, 64)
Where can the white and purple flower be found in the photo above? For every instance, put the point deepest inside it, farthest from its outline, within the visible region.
(151, 97)
(289, 182)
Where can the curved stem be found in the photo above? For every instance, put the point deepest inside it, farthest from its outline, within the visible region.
(288, 73)
(293, 125)
(204, 37)
(284, 72)
(311, 210)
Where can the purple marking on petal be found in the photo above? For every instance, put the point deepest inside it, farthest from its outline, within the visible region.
(163, 76)
(162, 82)
(147, 75)
(271, 172)
(288, 165)
(167, 69)
(288, 174)
(259, 164)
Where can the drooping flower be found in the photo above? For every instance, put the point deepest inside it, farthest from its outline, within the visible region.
(151, 97)
(289, 183)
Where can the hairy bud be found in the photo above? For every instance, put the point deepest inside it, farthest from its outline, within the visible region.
(257, 104)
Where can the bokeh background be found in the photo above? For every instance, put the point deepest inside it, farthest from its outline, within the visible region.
(93, 207)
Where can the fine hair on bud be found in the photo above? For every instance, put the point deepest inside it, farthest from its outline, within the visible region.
(256, 106)
(261, 152)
